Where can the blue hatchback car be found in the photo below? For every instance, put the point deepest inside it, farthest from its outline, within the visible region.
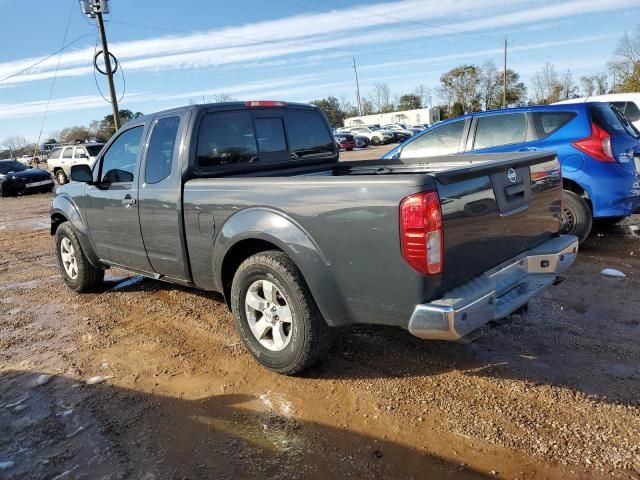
(598, 148)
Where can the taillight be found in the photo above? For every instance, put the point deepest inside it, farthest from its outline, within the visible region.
(421, 238)
(597, 145)
(264, 103)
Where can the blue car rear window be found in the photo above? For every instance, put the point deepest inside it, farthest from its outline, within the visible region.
(611, 120)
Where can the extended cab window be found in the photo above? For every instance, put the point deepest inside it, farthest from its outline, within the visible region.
(119, 162)
(226, 138)
(497, 130)
(308, 134)
(444, 140)
(547, 123)
(161, 149)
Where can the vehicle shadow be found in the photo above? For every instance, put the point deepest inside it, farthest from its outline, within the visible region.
(60, 427)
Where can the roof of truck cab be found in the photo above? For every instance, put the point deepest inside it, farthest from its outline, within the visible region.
(236, 105)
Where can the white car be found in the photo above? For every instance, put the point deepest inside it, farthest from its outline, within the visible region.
(627, 103)
(376, 136)
(62, 158)
(398, 128)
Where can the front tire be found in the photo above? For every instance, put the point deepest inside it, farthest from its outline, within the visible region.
(61, 177)
(77, 272)
(375, 140)
(275, 314)
(576, 216)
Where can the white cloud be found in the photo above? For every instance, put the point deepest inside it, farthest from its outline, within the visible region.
(365, 26)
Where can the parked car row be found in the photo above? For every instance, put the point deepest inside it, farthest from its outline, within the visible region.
(597, 145)
(362, 136)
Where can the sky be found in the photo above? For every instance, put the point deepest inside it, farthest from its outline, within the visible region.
(174, 53)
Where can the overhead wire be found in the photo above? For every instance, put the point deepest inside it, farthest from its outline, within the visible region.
(53, 83)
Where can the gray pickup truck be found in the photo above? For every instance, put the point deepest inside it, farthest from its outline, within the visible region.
(249, 200)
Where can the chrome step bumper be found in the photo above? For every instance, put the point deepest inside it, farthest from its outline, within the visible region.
(494, 294)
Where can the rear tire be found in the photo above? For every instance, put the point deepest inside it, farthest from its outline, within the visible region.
(576, 216)
(77, 272)
(61, 177)
(375, 140)
(306, 335)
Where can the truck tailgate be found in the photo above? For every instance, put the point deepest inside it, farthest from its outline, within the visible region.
(494, 209)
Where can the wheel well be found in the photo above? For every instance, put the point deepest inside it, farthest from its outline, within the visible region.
(57, 219)
(572, 186)
(238, 254)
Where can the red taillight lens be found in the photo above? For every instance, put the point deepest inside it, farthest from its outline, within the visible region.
(421, 238)
(264, 103)
(597, 145)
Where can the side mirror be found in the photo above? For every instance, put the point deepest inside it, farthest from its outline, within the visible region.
(81, 173)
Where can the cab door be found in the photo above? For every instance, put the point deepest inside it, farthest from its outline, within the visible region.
(112, 202)
(161, 196)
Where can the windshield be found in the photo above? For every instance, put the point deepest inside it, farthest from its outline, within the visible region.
(9, 167)
(93, 149)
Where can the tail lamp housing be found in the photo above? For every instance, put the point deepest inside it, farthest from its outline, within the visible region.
(421, 235)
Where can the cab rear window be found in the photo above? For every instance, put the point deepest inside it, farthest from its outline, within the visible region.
(232, 138)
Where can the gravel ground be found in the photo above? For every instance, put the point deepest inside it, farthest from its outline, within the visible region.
(551, 394)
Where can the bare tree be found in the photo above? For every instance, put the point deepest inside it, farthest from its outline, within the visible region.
(547, 86)
(569, 88)
(381, 97)
(425, 95)
(594, 84)
(489, 84)
(15, 142)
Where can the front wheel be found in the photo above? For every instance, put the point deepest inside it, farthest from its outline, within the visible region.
(576, 216)
(78, 273)
(61, 177)
(275, 314)
(375, 140)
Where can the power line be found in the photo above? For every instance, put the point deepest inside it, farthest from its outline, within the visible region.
(64, 47)
(55, 76)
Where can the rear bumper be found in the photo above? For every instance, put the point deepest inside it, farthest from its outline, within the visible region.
(494, 294)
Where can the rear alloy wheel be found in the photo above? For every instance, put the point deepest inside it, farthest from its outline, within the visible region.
(61, 177)
(375, 140)
(276, 316)
(576, 216)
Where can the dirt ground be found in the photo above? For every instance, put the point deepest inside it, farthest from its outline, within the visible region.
(552, 394)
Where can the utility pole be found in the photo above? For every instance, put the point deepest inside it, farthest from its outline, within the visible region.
(95, 9)
(504, 76)
(357, 87)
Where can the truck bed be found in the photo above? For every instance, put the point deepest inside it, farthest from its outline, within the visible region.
(346, 209)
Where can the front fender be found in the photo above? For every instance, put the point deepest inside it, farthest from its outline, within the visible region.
(63, 206)
(273, 226)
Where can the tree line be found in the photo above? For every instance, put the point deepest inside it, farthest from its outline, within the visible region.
(97, 130)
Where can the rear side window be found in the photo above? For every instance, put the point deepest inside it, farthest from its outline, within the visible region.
(55, 153)
(547, 123)
(226, 138)
(270, 133)
(161, 149)
(68, 152)
(497, 130)
(308, 134)
(444, 140)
